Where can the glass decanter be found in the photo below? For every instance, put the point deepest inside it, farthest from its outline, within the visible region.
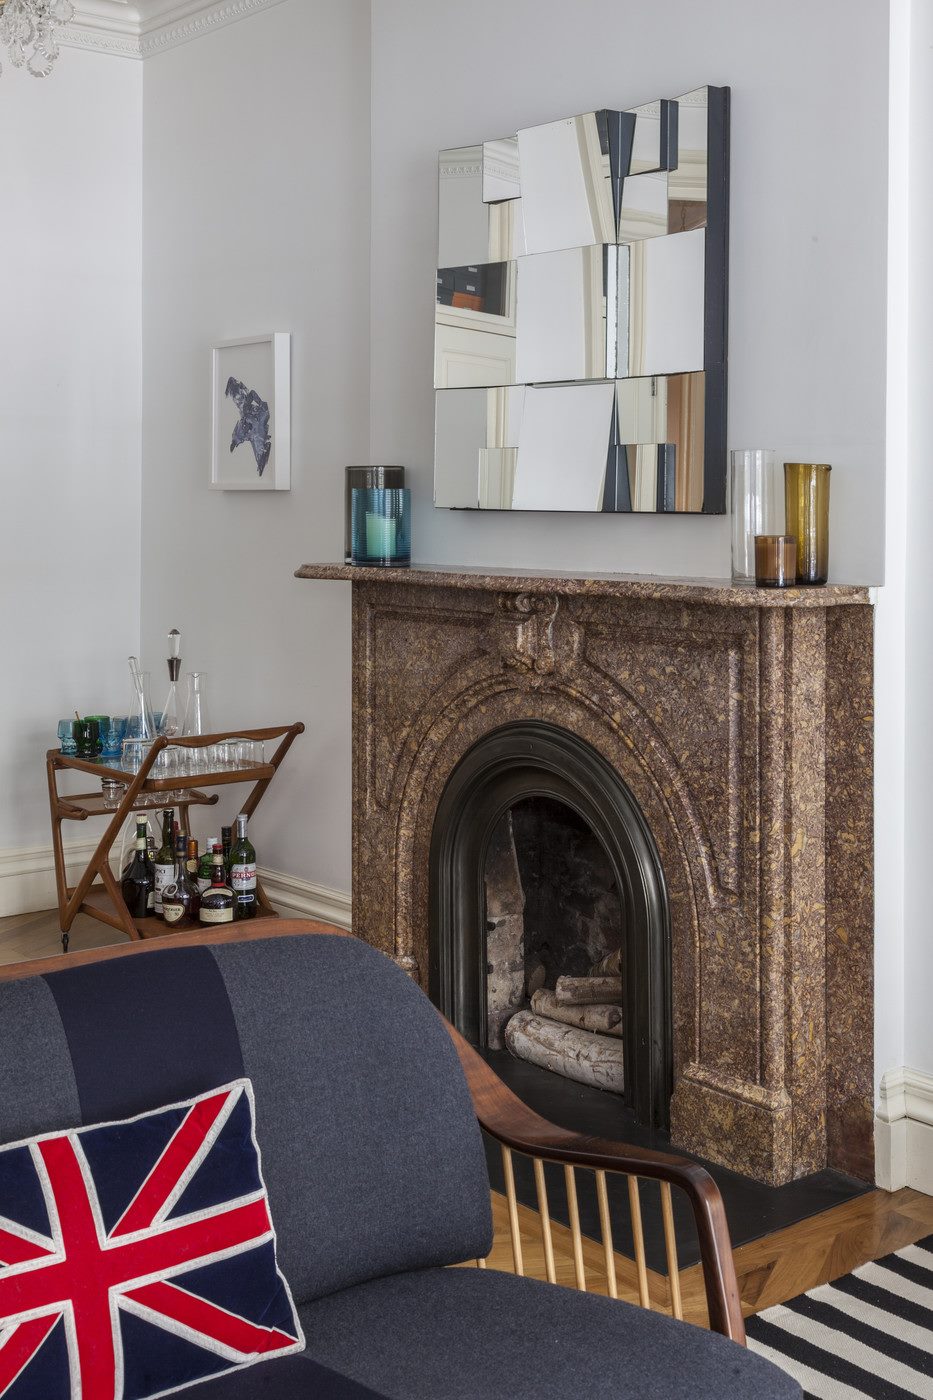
(170, 723)
(196, 720)
(140, 723)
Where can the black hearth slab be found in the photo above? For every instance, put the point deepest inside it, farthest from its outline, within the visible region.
(752, 1210)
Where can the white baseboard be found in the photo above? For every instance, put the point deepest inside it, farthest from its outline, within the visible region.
(289, 894)
(27, 884)
(27, 875)
(904, 1131)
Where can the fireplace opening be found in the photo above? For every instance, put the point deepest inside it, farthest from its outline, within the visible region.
(549, 933)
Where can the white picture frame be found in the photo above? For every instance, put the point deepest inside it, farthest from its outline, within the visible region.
(251, 413)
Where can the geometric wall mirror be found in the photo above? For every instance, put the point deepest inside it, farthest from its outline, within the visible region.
(581, 315)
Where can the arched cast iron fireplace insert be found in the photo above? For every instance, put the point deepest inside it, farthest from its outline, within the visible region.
(535, 759)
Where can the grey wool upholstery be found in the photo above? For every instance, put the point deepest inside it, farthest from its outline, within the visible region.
(471, 1334)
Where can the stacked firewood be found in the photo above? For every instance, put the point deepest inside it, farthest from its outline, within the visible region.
(576, 1028)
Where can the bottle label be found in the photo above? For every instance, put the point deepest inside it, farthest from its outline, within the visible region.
(203, 884)
(216, 916)
(243, 878)
(174, 913)
(164, 876)
(150, 901)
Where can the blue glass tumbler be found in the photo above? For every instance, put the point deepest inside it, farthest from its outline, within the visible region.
(381, 525)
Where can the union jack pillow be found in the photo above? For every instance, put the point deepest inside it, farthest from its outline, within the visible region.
(138, 1258)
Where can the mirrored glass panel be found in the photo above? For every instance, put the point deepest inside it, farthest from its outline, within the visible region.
(664, 303)
(474, 341)
(688, 184)
(526, 447)
(470, 231)
(500, 170)
(654, 137)
(567, 183)
(562, 320)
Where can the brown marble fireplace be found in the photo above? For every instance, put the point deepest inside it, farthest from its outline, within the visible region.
(734, 725)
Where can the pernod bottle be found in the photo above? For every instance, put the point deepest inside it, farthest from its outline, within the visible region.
(243, 872)
(181, 900)
(217, 902)
(138, 884)
(165, 859)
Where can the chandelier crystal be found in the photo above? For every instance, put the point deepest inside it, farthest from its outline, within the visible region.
(28, 29)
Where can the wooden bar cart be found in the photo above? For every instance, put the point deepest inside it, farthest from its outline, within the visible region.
(144, 792)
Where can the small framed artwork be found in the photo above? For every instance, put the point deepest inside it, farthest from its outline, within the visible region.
(251, 448)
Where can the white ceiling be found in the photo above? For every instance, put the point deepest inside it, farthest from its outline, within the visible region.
(136, 28)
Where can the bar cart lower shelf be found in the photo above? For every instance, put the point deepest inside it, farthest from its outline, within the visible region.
(98, 892)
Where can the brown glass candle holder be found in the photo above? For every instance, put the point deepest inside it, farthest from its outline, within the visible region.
(806, 499)
(775, 561)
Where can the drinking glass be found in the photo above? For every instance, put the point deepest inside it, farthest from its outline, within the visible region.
(66, 740)
(754, 505)
(113, 736)
(112, 792)
(87, 737)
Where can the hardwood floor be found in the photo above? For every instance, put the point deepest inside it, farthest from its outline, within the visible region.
(770, 1270)
(26, 936)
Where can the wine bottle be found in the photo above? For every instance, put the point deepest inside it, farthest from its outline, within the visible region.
(192, 861)
(218, 901)
(164, 859)
(142, 830)
(181, 900)
(138, 885)
(243, 872)
(206, 865)
(226, 840)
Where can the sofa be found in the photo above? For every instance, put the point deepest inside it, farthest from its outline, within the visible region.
(368, 1112)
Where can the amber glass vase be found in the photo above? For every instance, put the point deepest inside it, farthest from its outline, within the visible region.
(806, 499)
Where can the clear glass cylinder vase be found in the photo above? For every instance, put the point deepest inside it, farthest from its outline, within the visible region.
(755, 506)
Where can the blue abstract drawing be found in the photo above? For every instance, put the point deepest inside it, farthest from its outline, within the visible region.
(253, 423)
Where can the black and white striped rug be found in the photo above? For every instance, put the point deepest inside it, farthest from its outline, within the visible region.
(869, 1333)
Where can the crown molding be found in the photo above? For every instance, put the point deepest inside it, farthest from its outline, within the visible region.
(138, 30)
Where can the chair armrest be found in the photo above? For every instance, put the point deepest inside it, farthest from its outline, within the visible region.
(517, 1126)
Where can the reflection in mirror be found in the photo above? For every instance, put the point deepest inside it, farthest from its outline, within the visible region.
(567, 183)
(469, 230)
(654, 141)
(562, 316)
(500, 170)
(524, 448)
(665, 304)
(662, 412)
(644, 206)
(474, 337)
(687, 188)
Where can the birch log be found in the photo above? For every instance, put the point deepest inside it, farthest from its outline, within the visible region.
(576, 1054)
(587, 991)
(607, 1020)
(609, 966)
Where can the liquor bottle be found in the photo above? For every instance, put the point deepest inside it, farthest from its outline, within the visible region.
(218, 901)
(165, 859)
(138, 886)
(192, 861)
(226, 840)
(142, 830)
(181, 900)
(206, 865)
(243, 872)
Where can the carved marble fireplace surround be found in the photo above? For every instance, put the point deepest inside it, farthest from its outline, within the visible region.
(741, 722)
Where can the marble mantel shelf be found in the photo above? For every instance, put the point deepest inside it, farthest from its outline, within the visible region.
(712, 591)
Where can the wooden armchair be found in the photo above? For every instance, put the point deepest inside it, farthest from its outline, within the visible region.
(519, 1129)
